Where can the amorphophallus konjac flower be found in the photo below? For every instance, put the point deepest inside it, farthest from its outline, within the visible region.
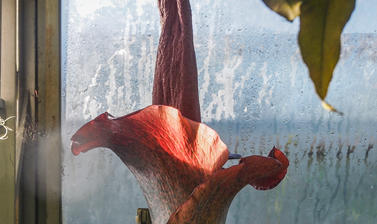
(178, 163)
(177, 160)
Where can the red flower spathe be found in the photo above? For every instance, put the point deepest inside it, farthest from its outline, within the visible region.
(178, 163)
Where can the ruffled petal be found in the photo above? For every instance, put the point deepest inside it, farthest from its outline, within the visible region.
(270, 182)
(210, 201)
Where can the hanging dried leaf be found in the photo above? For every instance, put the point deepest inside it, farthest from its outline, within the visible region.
(289, 9)
(321, 24)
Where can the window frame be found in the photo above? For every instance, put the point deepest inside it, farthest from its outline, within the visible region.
(30, 174)
(8, 94)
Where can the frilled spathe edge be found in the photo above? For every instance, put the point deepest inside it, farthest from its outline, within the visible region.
(210, 201)
(159, 128)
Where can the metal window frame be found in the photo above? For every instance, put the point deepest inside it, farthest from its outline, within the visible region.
(30, 159)
(8, 94)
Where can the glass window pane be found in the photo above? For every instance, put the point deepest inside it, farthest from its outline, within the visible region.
(254, 91)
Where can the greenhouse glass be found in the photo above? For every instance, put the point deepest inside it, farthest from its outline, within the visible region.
(254, 90)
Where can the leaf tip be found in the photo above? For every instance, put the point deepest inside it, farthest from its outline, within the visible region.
(330, 108)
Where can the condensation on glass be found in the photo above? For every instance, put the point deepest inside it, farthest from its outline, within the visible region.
(254, 91)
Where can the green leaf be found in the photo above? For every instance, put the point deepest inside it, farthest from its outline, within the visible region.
(289, 9)
(321, 24)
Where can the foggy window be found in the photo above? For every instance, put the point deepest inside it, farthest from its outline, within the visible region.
(255, 91)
